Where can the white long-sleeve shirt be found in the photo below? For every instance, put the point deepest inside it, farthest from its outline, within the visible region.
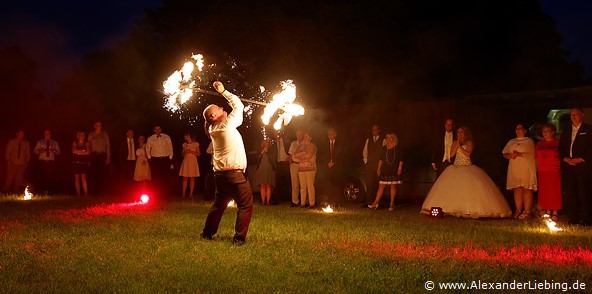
(227, 142)
(159, 146)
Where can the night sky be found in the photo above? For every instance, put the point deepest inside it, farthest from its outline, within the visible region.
(57, 34)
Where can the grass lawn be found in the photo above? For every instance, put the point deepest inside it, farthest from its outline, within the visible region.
(88, 245)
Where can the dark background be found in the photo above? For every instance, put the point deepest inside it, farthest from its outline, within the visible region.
(406, 65)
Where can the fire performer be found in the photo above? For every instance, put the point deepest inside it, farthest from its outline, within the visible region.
(230, 162)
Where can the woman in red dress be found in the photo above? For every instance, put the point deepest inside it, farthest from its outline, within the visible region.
(549, 172)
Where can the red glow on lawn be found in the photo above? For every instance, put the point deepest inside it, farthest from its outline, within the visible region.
(144, 198)
(516, 255)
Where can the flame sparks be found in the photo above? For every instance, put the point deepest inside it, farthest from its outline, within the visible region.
(231, 203)
(284, 101)
(551, 224)
(328, 209)
(28, 195)
(183, 83)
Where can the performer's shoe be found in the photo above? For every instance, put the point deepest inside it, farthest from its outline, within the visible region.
(237, 241)
(207, 237)
(373, 206)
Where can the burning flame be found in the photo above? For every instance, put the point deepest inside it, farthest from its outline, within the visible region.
(284, 101)
(328, 209)
(178, 87)
(231, 203)
(551, 224)
(27, 194)
(144, 198)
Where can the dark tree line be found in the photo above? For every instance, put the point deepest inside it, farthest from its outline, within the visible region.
(338, 52)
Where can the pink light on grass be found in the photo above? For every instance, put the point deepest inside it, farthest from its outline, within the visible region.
(527, 255)
(103, 210)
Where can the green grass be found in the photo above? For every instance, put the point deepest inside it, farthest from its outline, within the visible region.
(88, 245)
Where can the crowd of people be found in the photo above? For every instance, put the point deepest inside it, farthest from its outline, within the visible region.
(139, 161)
(557, 169)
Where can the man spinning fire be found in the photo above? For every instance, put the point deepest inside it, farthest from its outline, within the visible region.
(230, 162)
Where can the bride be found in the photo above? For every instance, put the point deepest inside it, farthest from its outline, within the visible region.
(465, 190)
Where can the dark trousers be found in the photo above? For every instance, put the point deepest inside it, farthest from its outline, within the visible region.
(283, 186)
(330, 181)
(160, 168)
(127, 170)
(577, 194)
(371, 179)
(46, 176)
(231, 185)
(98, 172)
(15, 178)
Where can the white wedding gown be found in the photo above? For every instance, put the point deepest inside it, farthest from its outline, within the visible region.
(465, 190)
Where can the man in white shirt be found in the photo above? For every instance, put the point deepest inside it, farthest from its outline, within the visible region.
(441, 158)
(230, 162)
(47, 149)
(159, 150)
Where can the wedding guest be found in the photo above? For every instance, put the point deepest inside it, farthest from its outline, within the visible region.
(371, 156)
(17, 155)
(142, 168)
(389, 170)
(331, 166)
(521, 177)
(100, 156)
(80, 162)
(575, 150)
(306, 154)
(463, 189)
(189, 167)
(441, 158)
(265, 173)
(127, 157)
(549, 172)
(47, 149)
(159, 149)
(283, 186)
(294, 166)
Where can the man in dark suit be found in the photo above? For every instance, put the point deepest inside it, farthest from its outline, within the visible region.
(282, 172)
(127, 158)
(441, 158)
(371, 156)
(575, 150)
(331, 163)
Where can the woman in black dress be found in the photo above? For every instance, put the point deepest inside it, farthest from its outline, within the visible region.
(80, 162)
(390, 168)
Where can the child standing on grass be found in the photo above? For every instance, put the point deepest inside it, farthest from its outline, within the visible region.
(142, 171)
